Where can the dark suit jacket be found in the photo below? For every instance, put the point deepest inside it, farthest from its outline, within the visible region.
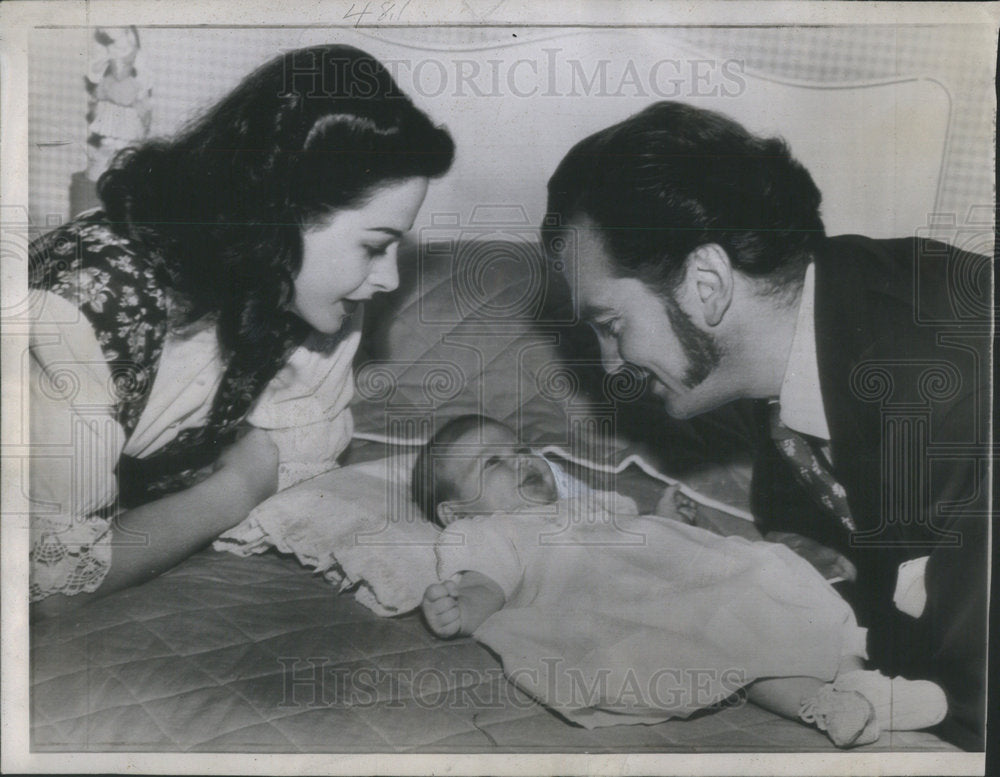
(902, 331)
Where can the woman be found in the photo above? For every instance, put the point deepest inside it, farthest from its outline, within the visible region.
(217, 292)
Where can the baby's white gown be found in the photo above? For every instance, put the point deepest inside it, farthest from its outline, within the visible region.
(617, 618)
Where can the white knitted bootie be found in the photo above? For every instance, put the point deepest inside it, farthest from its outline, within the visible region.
(900, 704)
(858, 706)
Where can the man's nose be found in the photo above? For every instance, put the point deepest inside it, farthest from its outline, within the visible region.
(611, 360)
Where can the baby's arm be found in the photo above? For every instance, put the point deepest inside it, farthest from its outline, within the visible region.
(460, 608)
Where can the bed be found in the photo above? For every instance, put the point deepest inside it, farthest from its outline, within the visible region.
(261, 654)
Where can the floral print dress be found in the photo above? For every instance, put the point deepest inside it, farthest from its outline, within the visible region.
(107, 306)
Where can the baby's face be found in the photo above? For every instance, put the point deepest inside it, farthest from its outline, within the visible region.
(492, 471)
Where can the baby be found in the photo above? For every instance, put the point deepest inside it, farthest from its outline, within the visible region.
(535, 568)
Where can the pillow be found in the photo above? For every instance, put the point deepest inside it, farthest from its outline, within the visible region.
(357, 526)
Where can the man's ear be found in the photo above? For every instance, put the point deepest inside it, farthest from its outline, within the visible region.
(446, 513)
(709, 277)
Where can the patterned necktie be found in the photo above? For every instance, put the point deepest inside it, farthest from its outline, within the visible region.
(810, 469)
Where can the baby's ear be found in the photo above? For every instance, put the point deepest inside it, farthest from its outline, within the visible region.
(446, 513)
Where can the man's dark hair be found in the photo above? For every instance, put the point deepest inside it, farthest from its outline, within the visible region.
(672, 178)
(427, 486)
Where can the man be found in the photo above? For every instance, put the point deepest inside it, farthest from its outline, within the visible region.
(699, 256)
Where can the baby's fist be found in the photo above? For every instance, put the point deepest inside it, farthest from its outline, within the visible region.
(441, 609)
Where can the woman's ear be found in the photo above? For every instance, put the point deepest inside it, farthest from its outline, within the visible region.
(446, 513)
(709, 277)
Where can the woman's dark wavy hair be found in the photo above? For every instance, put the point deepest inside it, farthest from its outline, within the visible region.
(674, 177)
(223, 205)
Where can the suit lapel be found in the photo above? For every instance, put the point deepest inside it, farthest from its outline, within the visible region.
(844, 337)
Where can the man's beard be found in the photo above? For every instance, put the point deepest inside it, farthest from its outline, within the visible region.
(700, 348)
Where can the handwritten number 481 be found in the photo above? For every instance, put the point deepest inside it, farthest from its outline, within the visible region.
(388, 11)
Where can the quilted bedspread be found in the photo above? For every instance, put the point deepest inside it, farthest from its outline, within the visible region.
(257, 654)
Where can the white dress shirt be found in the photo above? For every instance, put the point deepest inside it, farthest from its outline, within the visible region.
(801, 398)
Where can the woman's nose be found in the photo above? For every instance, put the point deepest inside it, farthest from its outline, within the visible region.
(385, 274)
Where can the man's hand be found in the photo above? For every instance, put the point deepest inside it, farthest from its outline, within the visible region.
(829, 562)
(440, 606)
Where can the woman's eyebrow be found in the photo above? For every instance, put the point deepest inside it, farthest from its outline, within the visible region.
(387, 230)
